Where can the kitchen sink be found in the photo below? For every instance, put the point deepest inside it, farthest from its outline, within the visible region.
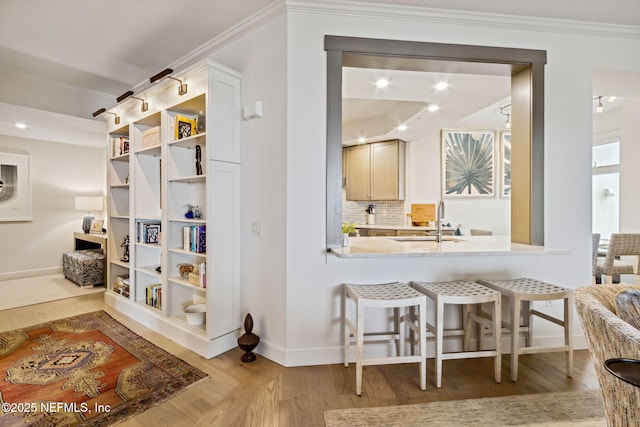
(424, 239)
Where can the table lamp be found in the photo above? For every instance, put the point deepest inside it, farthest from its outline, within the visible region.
(88, 204)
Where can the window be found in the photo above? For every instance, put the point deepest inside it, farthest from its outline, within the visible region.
(606, 187)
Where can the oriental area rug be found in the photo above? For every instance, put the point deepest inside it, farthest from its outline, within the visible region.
(86, 370)
(560, 409)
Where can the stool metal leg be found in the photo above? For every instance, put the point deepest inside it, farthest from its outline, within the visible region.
(515, 336)
(439, 340)
(359, 346)
(497, 333)
(568, 337)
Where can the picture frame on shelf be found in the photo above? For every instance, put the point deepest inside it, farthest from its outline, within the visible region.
(185, 126)
(15, 187)
(468, 163)
(96, 226)
(505, 155)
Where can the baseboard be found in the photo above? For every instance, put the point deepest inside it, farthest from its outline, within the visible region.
(334, 355)
(30, 273)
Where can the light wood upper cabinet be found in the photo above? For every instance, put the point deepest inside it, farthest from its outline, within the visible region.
(375, 171)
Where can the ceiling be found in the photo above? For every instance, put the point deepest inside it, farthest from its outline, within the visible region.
(101, 49)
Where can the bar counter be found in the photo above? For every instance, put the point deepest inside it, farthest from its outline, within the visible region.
(451, 246)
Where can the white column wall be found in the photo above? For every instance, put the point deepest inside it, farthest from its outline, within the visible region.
(313, 278)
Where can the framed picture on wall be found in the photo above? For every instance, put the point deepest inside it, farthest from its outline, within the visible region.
(468, 164)
(15, 187)
(505, 151)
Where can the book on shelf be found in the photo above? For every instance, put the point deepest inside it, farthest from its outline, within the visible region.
(121, 285)
(149, 232)
(153, 296)
(194, 238)
(197, 277)
(120, 145)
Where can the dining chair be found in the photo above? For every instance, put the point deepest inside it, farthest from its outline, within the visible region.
(595, 242)
(620, 245)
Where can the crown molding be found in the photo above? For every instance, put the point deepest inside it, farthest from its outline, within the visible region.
(474, 19)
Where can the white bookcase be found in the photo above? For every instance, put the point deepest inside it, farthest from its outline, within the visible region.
(156, 182)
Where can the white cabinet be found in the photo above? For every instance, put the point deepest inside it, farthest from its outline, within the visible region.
(181, 177)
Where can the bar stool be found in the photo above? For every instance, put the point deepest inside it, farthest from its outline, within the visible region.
(467, 294)
(520, 293)
(390, 295)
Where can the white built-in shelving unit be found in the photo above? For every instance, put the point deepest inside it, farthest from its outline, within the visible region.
(155, 182)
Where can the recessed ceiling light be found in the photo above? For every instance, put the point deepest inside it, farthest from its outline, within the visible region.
(402, 128)
(442, 85)
(21, 125)
(382, 83)
(433, 108)
(612, 98)
(362, 139)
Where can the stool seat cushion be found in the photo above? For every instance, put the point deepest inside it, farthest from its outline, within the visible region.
(84, 267)
(527, 288)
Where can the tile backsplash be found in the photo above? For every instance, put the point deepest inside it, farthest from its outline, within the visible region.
(356, 211)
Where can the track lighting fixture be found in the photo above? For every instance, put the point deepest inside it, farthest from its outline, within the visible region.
(116, 119)
(129, 93)
(507, 124)
(600, 107)
(182, 88)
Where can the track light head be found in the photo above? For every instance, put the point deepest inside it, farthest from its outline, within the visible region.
(160, 75)
(100, 111)
(124, 96)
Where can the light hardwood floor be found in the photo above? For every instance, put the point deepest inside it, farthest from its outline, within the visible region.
(263, 393)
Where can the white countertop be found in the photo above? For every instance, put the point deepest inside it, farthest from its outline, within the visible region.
(377, 247)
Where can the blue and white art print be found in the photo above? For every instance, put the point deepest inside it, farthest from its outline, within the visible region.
(468, 163)
(505, 142)
(15, 187)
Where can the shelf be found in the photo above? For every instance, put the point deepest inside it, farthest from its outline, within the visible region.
(150, 151)
(120, 263)
(182, 320)
(182, 282)
(120, 158)
(149, 245)
(148, 307)
(127, 217)
(111, 291)
(190, 141)
(189, 220)
(149, 269)
(189, 179)
(182, 251)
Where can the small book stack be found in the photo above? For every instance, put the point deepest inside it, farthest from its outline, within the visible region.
(121, 286)
(119, 146)
(154, 296)
(194, 238)
(198, 277)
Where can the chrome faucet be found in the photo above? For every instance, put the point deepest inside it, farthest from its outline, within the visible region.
(439, 218)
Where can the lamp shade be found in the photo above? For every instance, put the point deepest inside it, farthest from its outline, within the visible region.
(88, 203)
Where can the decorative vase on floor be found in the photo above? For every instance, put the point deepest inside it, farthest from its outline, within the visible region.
(345, 240)
(248, 341)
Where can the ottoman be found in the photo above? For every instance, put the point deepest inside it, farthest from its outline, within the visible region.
(84, 267)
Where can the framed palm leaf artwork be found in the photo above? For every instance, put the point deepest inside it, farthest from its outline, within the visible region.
(468, 164)
(505, 143)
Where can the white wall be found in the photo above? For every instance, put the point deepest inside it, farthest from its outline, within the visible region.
(313, 278)
(261, 58)
(58, 173)
(629, 161)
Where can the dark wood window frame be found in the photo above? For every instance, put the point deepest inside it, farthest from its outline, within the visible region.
(527, 70)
